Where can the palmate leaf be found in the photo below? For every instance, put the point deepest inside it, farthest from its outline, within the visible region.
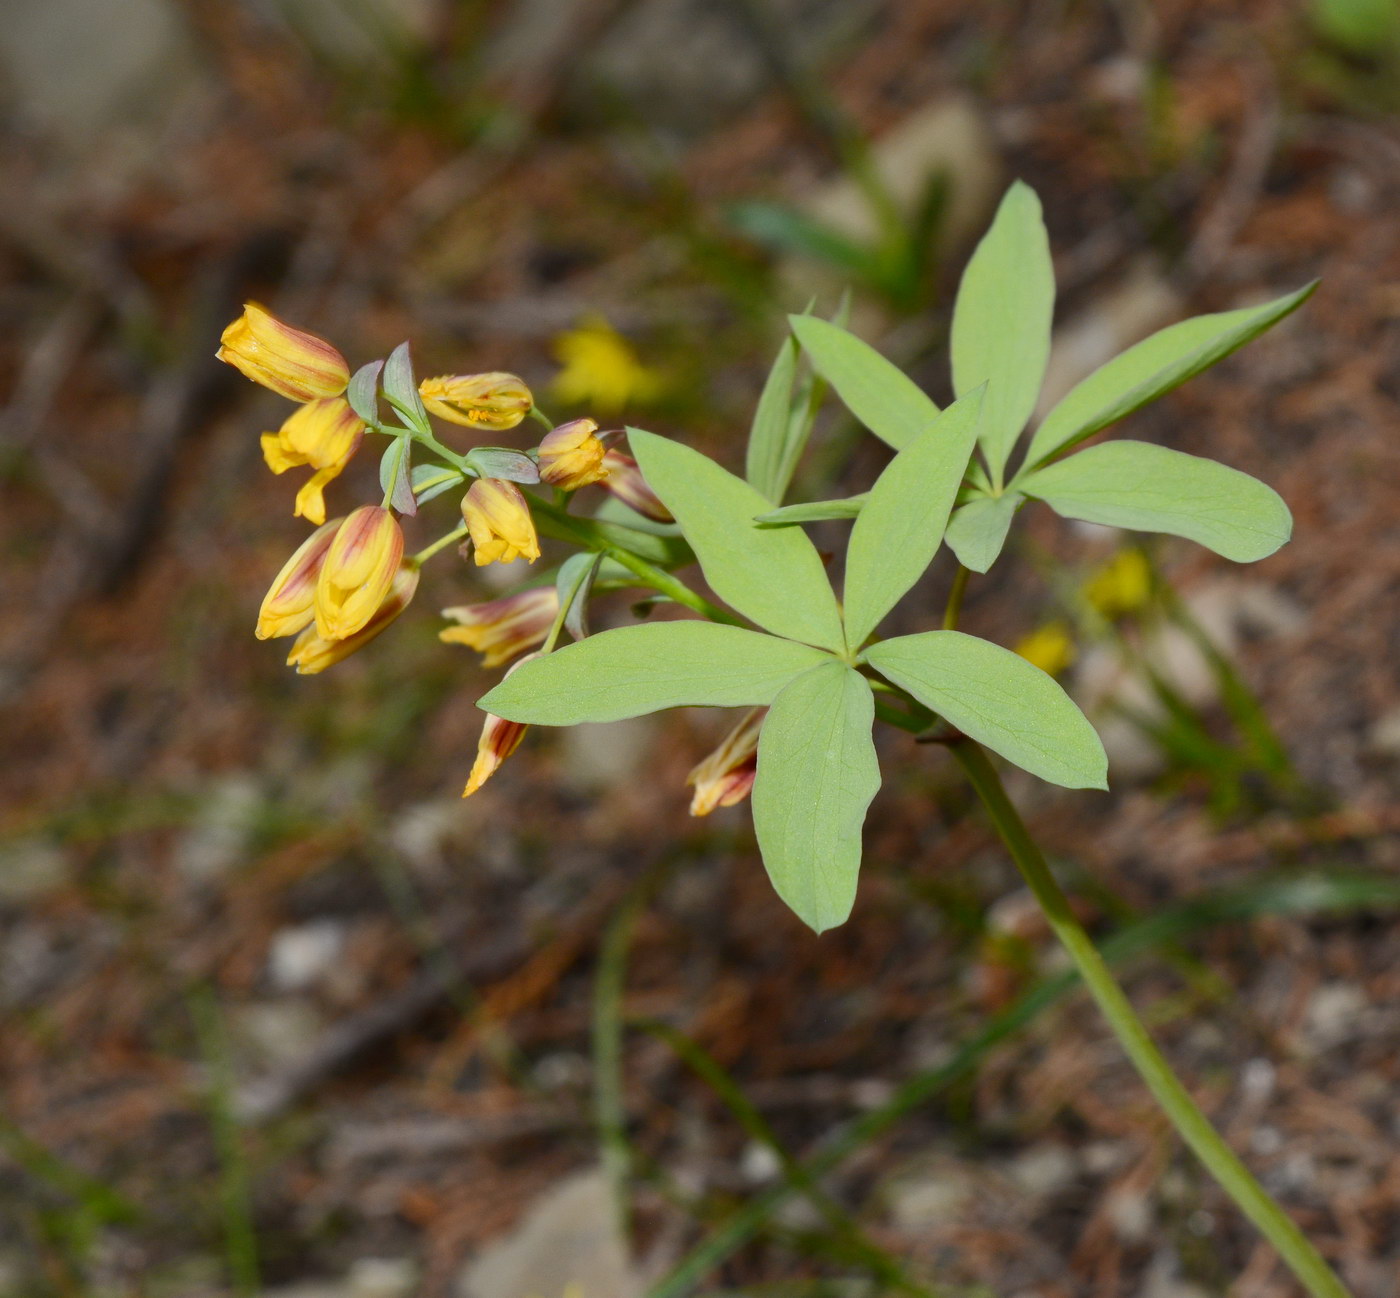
(1152, 489)
(1152, 368)
(901, 526)
(977, 530)
(817, 774)
(772, 575)
(879, 394)
(633, 670)
(1001, 321)
(1000, 700)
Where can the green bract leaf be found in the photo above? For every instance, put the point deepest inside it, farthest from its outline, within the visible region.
(1151, 368)
(772, 575)
(639, 669)
(431, 480)
(813, 511)
(816, 776)
(395, 480)
(1000, 700)
(884, 399)
(1001, 321)
(362, 391)
(503, 462)
(574, 584)
(977, 530)
(898, 532)
(766, 464)
(401, 389)
(1152, 489)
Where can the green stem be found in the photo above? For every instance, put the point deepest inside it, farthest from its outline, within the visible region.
(540, 417)
(441, 543)
(955, 598)
(1277, 1227)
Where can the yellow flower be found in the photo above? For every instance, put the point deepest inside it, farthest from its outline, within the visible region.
(726, 776)
(357, 572)
(499, 739)
(625, 481)
(290, 361)
(324, 434)
(1123, 585)
(600, 369)
(496, 400)
(290, 602)
(1048, 647)
(498, 519)
(504, 627)
(312, 652)
(571, 457)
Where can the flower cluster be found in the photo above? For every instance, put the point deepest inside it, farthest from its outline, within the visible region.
(351, 577)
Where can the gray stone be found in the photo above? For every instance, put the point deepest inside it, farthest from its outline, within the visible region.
(301, 956)
(219, 839)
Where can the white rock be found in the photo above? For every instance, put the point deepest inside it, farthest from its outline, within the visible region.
(569, 1241)
(1331, 1015)
(300, 957)
(1384, 735)
(219, 839)
(382, 1277)
(1043, 1170)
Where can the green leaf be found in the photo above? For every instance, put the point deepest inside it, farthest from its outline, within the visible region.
(362, 391)
(884, 399)
(766, 463)
(1152, 489)
(813, 511)
(395, 480)
(785, 229)
(817, 774)
(977, 530)
(1151, 368)
(1001, 321)
(637, 669)
(1000, 700)
(772, 575)
(597, 533)
(401, 388)
(430, 480)
(899, 530)
(574, 584)
(503, 462)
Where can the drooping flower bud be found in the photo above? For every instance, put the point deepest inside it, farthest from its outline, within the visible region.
(357, 572)
(290, 602)
(312, 653)
(726, 776)
(1049, 647)
(291, 362)
(324, 434)
(503, 627)
(499, 739)
(625, 481)
(571, 456)
(495, 401)
(1121, 586)
(498, 520)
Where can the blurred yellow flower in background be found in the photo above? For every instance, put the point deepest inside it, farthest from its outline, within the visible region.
(1123, 585)
(1049, 647)
(601, 369)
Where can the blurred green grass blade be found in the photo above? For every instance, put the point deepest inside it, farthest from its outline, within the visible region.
(98, 1199)
(1310, 894)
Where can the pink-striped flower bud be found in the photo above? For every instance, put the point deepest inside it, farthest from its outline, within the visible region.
(499, 739)
(571, 457)
(726, 776)
(290, 602)
(503, 627)
(494, 401)
(312, 653)
(625, 481)
(291, 362)
(498, 520)
(357, 572)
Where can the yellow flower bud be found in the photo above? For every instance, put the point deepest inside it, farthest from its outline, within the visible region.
(494, 401)
(601, 370)
(290, 602)
(1048, 647)
(324, 434)
(357, 572)
(312, 653)
(498, 519)
(499, 739)
(571, 457)
(726, 776)
(290, 361)
(1122, 585)
(504, 627)
(625, 481)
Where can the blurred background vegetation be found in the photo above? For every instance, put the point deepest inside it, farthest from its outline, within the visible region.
(283, 1015)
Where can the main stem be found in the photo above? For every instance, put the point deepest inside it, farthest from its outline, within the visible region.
(1277, 1227)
